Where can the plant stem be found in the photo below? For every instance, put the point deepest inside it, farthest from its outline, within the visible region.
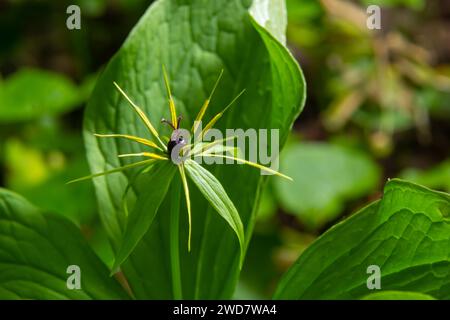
(175, 239)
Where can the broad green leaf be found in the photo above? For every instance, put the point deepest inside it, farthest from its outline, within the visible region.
(406, 234)
(325, 177)
(195, 41)
(397, 295)
(156, 181)
(217, 197)
(36, 249)
(31, 93)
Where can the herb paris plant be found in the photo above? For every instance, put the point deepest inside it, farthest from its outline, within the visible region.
(209, 186)
(194, 41)
(406, 233)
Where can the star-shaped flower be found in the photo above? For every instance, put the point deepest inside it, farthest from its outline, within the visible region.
(180, 151)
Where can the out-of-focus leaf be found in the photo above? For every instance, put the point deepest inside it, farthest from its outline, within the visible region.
(26, 166)
(88, 84)
(406, 234)
(245, 292)
(325, 176)
(55, 196)
(260, 273)
(436, 102)
(41, 177)
(301, 10)
(31, 93)
(389, 119)
(437, 177)
(303, 29)
(36, 250)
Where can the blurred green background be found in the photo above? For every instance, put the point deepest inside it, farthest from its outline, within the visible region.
(378, 107)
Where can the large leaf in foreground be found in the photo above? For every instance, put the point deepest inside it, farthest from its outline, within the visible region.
(141, 217)
(194, 40)
(31, 93)
(325, 177)
(406, 234)
(35, 251)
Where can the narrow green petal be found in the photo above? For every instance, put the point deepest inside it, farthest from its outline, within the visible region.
(142, 115)
(220, 149)
(220, 114)
(203, 147)
(188, 202)
(144, 154)
(119, 169)
(203, 109)
(253, 164)
(132, 138)
(173, 111)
